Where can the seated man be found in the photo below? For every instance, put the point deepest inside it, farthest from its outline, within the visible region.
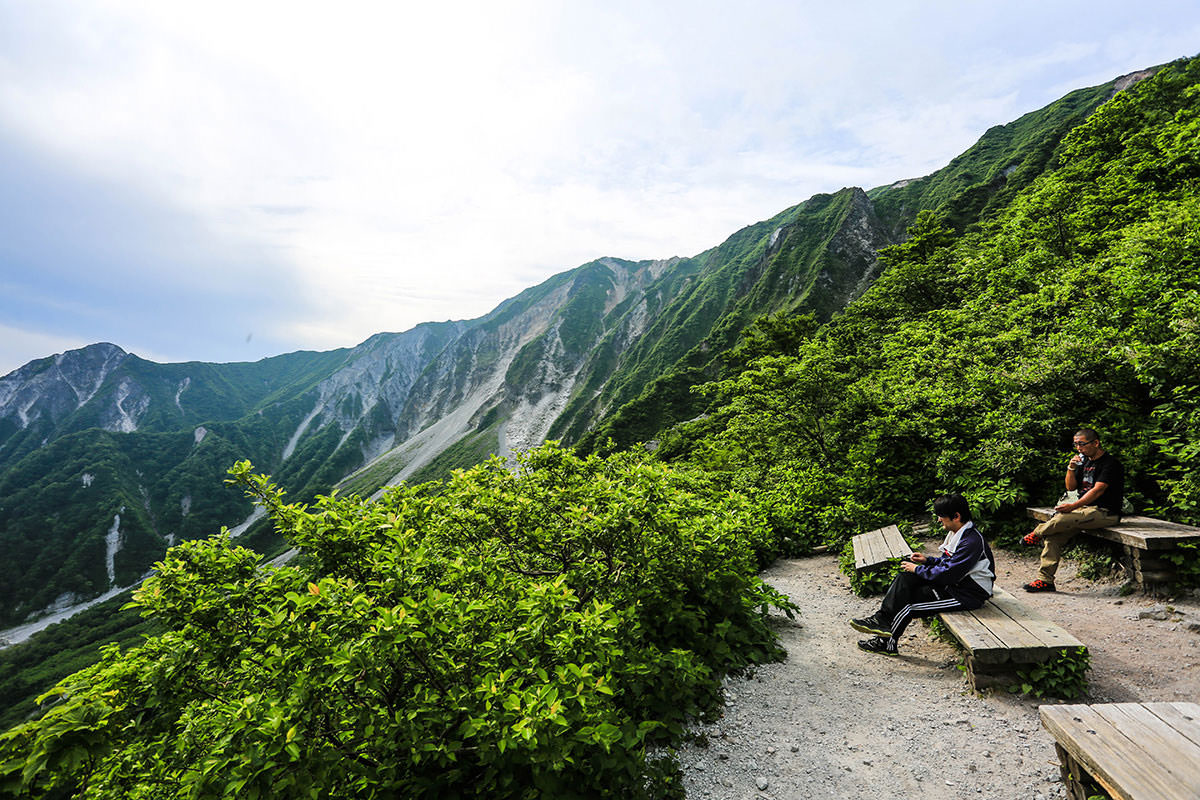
(960, 578)
(1100, 481)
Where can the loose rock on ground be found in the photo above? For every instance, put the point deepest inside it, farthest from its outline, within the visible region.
(831, 721)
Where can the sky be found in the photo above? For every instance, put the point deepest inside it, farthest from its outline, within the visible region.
(226, 181)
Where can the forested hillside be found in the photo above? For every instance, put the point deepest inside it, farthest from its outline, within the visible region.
(815, 258)
(973, 358)
(541, 631)
(107, 459)
(98, 437)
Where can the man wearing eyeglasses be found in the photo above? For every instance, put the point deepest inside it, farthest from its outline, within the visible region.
(1099, 480)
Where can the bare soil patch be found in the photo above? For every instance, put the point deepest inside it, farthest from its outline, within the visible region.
(832, 721)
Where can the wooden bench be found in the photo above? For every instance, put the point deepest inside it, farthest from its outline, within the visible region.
(1002, 636)
(1144, 541)
(878, 547)
(1134, 751)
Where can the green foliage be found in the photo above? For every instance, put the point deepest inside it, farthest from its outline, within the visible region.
(970, 360)
(1063, 676)
(1186, 558)
(772, 335)
(939, 631)
(1095, 561)
(868, 582)
(510, 635)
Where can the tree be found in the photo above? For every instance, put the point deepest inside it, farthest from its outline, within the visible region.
(511, 635)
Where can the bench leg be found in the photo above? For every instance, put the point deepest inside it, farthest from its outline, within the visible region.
(1147, 570)
(1072, 774)
(987, 676)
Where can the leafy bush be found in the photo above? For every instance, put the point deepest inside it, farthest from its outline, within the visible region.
(868, 582)
(514, 635)
(1095, 562)
(1063, 676)
(1186, 558)
(792, 503)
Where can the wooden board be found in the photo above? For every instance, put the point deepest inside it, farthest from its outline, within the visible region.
(876, 547)
(1005, 631)
(1144, 533)
(1136, 751)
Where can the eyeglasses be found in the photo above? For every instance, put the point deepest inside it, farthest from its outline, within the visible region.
(1084, 444)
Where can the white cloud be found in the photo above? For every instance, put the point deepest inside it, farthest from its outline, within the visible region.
(408, 161)
(16, 344)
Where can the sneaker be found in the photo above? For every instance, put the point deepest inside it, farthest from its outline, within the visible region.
(1039, 586)
(871, 625)
(880, 645)
(1031, 539)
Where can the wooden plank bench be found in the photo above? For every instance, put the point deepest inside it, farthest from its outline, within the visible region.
(877, 547)
(1144, 541)
(1002, 636)
(1134, 751)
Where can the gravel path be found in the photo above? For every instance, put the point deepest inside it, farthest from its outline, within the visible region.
(834, 722)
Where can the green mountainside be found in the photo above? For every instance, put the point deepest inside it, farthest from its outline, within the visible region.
(550, 630)
(813, 258)
(610, 350)
(975, 355)
(58, 500)
(827, 370)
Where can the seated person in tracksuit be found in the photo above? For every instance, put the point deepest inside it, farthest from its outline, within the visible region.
(959, 579)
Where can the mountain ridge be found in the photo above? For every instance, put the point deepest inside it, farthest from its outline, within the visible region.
(607, 350)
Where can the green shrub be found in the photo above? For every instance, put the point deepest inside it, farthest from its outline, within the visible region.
(1095, 562)
(517, 634)
(1063, 676)
(868, 582)
(1186, 558)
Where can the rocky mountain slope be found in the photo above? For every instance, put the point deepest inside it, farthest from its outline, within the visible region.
(106, 459)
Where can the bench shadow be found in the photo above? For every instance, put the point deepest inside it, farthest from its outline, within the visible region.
(927, 662)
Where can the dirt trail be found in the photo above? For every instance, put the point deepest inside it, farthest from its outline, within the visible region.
(834, 722)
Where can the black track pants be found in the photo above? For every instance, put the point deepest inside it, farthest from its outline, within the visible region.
(911, 596)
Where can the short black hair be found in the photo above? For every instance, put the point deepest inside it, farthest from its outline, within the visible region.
(1091, 435)
(950, 504)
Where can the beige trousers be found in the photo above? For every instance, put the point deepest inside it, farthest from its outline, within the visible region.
(1061, 528)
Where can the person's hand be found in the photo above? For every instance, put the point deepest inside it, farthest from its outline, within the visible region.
(908, 566)
(918, 557)
(1075, 461)
(1062, 508)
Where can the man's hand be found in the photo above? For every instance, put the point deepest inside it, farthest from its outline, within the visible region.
(908, 566)
(918, 557)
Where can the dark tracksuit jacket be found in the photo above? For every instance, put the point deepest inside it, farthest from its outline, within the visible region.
(959, 579)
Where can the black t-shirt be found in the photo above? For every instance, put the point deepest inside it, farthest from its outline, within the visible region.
(1105, 469)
